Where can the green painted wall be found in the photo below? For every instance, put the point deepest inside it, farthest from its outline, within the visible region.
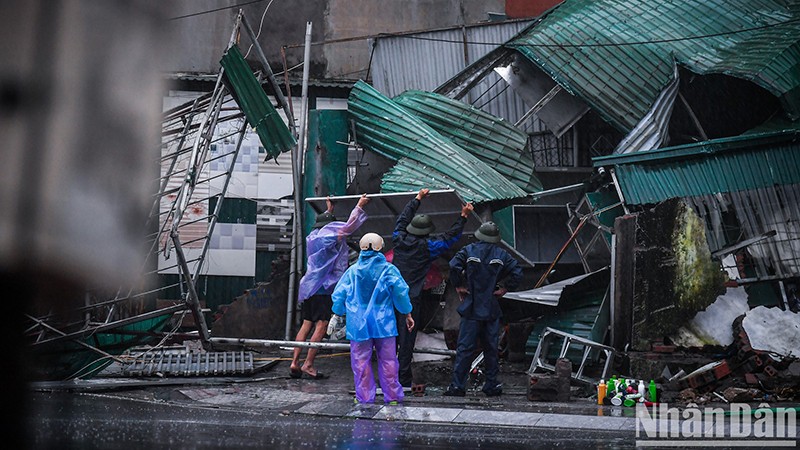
(326, 159)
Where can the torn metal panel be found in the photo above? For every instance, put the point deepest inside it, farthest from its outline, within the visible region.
(261, 115)
(559, 112)
(618, 55)
(387, 128)
(653, 130)
(743, 187)
(551, 294)
(446, 52)
(443, 207)
(491, 139)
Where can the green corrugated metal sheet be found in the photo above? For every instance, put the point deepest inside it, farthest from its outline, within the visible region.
(490, 138)
(387, 128)
(617, 55)
(261, 115)
(735, 164)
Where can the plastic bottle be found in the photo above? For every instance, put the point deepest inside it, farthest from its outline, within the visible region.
(652, 389)
(611, 386)
(601, 392)
(616, 400)
(641, 387)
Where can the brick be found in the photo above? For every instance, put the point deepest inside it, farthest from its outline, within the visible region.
(722, 370)
(750, 378)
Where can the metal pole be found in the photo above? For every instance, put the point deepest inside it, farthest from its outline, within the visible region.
(270, 76)
(295, 260)
(303, 138)
(288, 88)
(191, 299)
(309, 344)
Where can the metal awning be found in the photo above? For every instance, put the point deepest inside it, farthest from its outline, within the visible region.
(443, 207)
(273, 133)
(551, 294)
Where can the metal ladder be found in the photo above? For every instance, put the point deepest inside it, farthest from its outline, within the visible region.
(550, 335)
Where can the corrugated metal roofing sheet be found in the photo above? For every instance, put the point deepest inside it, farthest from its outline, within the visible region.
(734, 164)
(387, 128)
(425, 60)
(491, 139)
(617, 55)
(551, 294)
(261, 115)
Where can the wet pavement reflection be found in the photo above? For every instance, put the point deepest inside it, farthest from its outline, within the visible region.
(101, 421)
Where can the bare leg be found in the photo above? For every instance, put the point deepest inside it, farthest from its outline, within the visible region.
(301, 337)
(319, 333)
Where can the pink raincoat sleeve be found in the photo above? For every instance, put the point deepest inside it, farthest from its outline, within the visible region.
(327, 254)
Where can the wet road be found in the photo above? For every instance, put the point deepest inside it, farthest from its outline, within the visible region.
(62, 420)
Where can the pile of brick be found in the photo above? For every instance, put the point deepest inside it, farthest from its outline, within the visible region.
(754, 374)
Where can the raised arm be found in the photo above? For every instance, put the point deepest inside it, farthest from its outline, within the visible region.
(408, 212)
(356, 219)
(439, 243)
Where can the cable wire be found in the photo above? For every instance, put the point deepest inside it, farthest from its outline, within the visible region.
(565, 45)
(215, 10)
(260, 24)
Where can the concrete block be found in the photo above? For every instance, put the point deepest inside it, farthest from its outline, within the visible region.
(548, 388)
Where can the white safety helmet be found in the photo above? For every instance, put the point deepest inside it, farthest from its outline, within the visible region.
(371, 241)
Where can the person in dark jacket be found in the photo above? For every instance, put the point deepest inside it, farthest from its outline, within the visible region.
(475, 271)
(415, 248)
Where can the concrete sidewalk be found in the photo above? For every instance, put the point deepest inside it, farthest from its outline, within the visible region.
(274, 390)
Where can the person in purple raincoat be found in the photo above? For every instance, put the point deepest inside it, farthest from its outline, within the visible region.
(327, 260)
(368, 294)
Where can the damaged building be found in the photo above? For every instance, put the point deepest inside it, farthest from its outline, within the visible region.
(641, 161)
(679, 133)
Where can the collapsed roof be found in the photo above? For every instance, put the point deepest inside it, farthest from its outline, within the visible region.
(618, 55)
(427, 149)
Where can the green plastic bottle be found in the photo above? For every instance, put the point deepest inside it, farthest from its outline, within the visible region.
(652, 390)
(611, 386)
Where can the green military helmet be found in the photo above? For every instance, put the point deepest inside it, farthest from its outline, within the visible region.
(488, 232)
(324, 219)
(421, 225)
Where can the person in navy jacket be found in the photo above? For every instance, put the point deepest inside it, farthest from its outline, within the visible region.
(476, 271)
(415, 248)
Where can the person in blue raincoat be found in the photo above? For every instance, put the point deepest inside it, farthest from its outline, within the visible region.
(368, 294)
(415, 248)
(327, 260)
(475, 271)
